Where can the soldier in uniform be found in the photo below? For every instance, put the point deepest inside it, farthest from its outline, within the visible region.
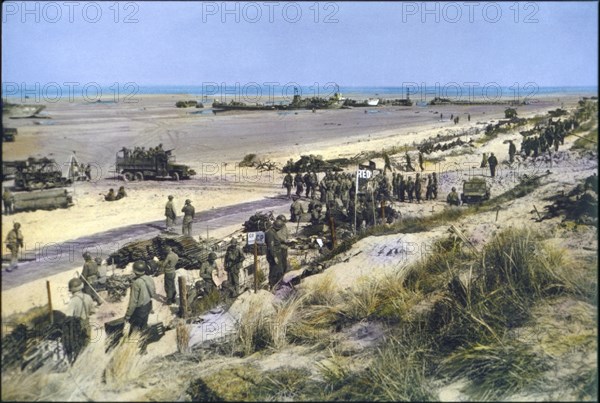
(88, 172)
(410, 189)
(418, 188)
(484, 161)
(299, 182)
(168, 267)
(189, 211)
(314, 182)
(316, 215)
(512, 150)
(274, 253)
(492, 161)
(296, 210)
(234, 260)
(207, 271)
(170, 214)
(121, 193)
(8, 201)
(110, 196)
(435, 185)
(14, 241)
(307, 178)
(421, 161)
(142, 292)
(429, 189)
(401, 188)
(287, 183)
(409, 166)
(81, 305)
(90, 274)
(453, 198)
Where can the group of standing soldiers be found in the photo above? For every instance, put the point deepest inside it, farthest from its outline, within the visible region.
(552, 136)
(188, 216)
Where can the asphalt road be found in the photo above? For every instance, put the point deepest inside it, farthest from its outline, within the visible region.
(47, 260)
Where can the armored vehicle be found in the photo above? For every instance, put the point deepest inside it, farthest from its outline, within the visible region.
(138, 166)
(475, 190)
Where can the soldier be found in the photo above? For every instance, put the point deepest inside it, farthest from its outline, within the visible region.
(168, 267)
(493, 161)
(421, 161)
(14, 241)
(314, 181)
(189, 211)
(142, 292)
(469, 117)
(234, 260)
(401, 188)
(435, 185)
(274, 254)
(452, 198)
(429, 189)
(409, 166)
(299, 182)
(410, 189)
(88, 172)
(8, 200)
(121, 193)
(208, 270)
(170, 214)
(90, 275)
(296, 210)
(316, 215)
(110, 196)
(287, 183)
(307, 178)
(512, 150)
(81, 305)
(418, 188)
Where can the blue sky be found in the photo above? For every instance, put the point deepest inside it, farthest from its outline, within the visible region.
(371, 44)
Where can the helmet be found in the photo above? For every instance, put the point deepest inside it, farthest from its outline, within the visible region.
(17, 225)
(453, 189)
(281, 217)
(98, 261)
(170, 197)
(86, 255)
(212, 256)
(233, 241)
(187, 201)
(75, 285)
(139, 267)
(278, 224)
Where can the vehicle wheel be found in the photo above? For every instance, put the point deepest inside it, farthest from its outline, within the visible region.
(175, 176)
(127, 177)
(139, 176)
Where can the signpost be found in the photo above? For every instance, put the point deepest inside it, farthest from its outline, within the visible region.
(363, 175)
(256, 238)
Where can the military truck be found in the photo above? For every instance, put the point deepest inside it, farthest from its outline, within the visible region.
(475, 190)
(140, 166)
(39, 184)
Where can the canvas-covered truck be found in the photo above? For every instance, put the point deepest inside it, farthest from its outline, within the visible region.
(475, 190)
(138, 166)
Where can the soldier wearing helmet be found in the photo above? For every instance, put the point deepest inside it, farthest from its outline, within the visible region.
(141, 294)
(275, 253)
(170, 214)
(14, 241)
(207, 272)
(234, 260)
(90, 274)
(189, 211)
(168, 266)
(81, 305)
(453, 198)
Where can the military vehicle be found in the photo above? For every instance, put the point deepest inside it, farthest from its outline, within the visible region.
(475, 190)
(8, 134)
(39, 184)
(147, 165)
(19, 111)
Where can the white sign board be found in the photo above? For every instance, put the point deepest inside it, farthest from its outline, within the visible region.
(320, 242)
(256, 237)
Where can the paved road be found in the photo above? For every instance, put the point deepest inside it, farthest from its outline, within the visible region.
(45, 261)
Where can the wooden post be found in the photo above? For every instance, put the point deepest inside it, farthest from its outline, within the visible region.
(49, 302)
(255, 267)
(183, 308)
(497, 211)
(332, 225)
(538, 213)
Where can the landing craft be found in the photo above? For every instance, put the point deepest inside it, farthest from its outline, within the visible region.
(20, 111)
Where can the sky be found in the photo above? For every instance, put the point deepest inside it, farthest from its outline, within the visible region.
(349, 43)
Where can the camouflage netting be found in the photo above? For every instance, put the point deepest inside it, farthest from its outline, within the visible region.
(311, 163)
(191, 252)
